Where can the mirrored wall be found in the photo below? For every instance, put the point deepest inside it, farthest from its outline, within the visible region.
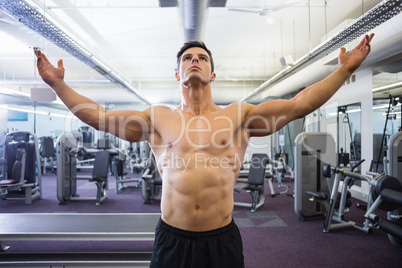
(387, 98)
(349, 134)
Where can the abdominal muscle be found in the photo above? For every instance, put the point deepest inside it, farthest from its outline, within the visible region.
(198, 194)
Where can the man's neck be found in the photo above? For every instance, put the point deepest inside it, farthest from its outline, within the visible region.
(197, 101)
(197, 109)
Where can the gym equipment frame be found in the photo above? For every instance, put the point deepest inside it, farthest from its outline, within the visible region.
(68, 146)
(21, 166)
(312, 151)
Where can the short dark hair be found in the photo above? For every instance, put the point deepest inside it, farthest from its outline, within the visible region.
(191, 44)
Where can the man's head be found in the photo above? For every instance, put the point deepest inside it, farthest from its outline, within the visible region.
(191, 44)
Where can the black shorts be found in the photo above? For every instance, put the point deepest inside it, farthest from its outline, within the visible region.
(177, 248)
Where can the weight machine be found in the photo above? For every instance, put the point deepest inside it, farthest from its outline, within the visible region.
(68, 147)
(21, 172)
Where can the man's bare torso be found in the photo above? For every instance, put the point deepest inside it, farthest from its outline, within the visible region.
(199, 150)
(199, 158)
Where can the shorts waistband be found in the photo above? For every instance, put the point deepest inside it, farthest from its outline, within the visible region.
(192, 234)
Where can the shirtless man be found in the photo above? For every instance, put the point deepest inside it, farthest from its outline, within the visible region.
(199, 148)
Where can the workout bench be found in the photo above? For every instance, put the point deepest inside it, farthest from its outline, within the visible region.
(256, 182)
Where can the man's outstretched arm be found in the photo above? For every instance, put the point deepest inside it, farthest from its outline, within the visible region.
(318, 94)
(281, 112)
(129, 125)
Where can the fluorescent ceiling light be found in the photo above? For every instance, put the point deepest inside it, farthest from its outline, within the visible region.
(392, 113)
(25, 12)
(13, 92)
(50, 114)
(368, 21)
(384, 106)
(391, 86)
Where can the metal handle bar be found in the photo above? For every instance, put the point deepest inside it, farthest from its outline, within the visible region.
(349, 173)
(357, 164)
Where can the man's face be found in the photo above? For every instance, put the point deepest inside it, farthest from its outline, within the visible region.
(195, 64)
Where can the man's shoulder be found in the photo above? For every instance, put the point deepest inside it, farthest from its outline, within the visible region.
(162, 112)
(158, 109)
(239, 106)
(161, 107)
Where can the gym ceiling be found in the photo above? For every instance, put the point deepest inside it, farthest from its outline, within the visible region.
(123, 52)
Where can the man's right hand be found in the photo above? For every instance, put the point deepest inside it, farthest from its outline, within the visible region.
(50, 74)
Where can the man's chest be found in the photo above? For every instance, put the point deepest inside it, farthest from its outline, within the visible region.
(183, 132)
